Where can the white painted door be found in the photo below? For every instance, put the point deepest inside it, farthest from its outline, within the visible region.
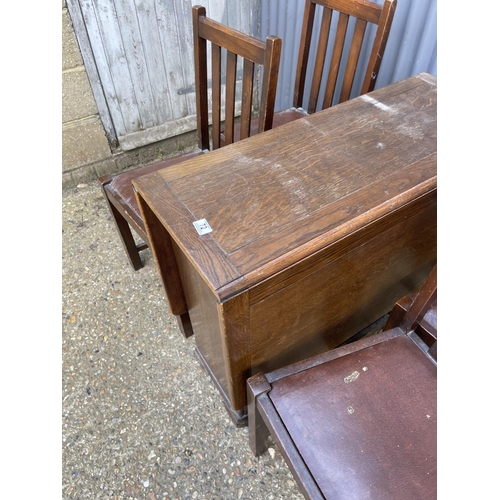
(139, 57)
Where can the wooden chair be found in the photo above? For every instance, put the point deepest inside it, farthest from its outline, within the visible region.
(418, 313)
(118, 188)
(359, 421)
(364, 12)
(253, 52)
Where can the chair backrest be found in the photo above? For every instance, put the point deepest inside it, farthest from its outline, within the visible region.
(253, 52)
(424, 302)
(365, 12)
(421, 316)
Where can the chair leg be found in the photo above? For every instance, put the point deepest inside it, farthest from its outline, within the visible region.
(127, 237)
(185, 325)
(257, 429)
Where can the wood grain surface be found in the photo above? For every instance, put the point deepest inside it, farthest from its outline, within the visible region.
(318, 227)
(300, 183)
(389, 410)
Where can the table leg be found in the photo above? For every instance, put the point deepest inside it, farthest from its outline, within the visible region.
(239, 417)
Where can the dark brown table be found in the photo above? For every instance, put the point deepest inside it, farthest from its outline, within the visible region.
(310, 232)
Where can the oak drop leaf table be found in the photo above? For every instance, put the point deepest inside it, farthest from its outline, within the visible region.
(286, 244)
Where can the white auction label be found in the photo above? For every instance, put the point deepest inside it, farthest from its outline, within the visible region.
(202, 226)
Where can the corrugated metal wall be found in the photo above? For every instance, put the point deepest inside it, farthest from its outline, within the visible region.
(411, 47)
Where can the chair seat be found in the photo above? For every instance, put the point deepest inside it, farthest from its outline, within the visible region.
(288, 115)
(359, 421)
(120, 188)
(354, 418)
(280, 118)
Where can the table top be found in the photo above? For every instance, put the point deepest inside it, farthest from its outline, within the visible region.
(285, 194)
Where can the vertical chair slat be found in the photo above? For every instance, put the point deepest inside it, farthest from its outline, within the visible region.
(320, 59)
(352, 62)
(200, 75)
(216, 95)
(246, 98)
(338, 48)
(379, 44)
(304, 49)
(269, 82)
(230, 97)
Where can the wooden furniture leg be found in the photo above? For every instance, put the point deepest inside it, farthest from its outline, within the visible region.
(125, 233)
(257, 429)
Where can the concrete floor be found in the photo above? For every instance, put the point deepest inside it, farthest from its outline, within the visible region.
(141, 418)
